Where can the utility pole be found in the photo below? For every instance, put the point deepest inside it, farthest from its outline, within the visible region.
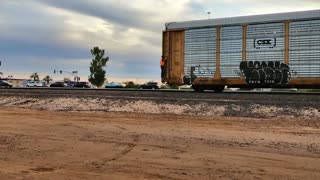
(0, 72)
(73, 73)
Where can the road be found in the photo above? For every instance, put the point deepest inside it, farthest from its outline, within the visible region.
(109, 145)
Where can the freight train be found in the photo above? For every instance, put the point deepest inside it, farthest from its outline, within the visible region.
(261, 51)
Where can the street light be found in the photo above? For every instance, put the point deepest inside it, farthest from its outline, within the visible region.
(209, 14)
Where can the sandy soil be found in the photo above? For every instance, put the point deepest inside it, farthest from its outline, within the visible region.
(105, 145)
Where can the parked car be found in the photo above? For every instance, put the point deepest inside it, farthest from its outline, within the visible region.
(114, 85)
(185, 87)
(36, 84)
(149, 85)
(5, 84)
(58, 84)
(82, 85)
(70, 83)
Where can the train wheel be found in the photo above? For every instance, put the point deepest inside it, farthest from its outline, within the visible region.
(198, 88)
(218, 89)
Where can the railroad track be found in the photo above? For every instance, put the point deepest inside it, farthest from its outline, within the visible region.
(245, 104)
(309, 98)
(279, 91)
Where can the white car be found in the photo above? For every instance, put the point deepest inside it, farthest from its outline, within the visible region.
(36, 84)
(185, 86)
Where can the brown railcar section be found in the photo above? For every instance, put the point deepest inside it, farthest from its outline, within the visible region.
(305, 83)
(240, 82)
(221, 81)
(217, 74)
(173, 50)
(244, 42)
(287, 42)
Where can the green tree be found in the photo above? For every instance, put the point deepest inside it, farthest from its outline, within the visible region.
(47, 79)
(97, 74)
(35, 76)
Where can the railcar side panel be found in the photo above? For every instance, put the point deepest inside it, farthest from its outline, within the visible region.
(231, 51)
(265, 42)
(200, 53)
(305, 49)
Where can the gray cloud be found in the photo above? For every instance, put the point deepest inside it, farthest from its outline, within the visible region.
(117, 13)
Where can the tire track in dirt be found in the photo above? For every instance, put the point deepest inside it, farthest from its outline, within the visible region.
(130, 147)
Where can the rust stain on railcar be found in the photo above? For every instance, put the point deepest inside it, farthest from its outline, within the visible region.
(305, 81)
(173, 49)
(217, 74)
(165, 51)
(244, 42)
(221, 81)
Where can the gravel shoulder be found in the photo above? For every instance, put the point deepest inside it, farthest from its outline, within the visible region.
(38, 144)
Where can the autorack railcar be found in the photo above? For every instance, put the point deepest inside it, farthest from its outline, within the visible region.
(261, 51)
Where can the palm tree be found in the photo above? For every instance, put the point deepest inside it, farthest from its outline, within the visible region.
(35, 76)
(47, 79)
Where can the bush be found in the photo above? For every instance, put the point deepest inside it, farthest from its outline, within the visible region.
(131, 84)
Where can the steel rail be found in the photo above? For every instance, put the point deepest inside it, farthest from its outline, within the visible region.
(164, 90)
(160, 95)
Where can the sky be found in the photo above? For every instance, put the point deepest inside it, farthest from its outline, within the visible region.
(46, 35)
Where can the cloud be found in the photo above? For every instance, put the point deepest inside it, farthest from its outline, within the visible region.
(117, 12)
(58, 36)
(230, 8)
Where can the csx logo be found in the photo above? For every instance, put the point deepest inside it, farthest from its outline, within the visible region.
(264, 42)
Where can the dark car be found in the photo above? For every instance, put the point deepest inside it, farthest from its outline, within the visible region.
(82, 85)
(5, 84)
(149, 85)
(58, 84)
(70, 83)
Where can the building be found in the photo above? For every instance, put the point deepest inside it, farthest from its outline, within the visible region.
(16, 82)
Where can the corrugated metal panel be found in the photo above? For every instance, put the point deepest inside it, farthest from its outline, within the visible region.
(266, 56)
(266, 30)
(200, 52)
(267, 18)
(305, 48)
(273, 49)
(230, 51)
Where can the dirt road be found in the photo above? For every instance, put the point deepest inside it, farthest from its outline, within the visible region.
(73, 145)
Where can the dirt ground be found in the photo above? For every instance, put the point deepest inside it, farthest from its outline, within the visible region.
(104, 145)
